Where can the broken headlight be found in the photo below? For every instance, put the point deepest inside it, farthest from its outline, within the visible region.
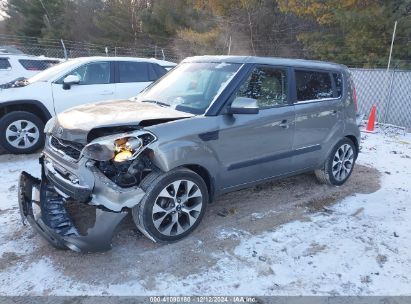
(119, 149)
(127, 148)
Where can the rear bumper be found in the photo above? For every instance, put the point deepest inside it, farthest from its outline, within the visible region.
(55, 224)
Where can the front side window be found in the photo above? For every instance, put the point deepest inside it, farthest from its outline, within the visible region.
(133, 72)
(92, 73)
(4, 64)
(312, 85)
(192, 87)
(268, 85)
(37, 65)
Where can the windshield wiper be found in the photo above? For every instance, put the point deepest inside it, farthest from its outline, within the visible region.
(163, 104)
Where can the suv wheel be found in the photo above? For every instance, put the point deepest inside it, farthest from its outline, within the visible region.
(339, 164)
(174, 204)
(21, 132)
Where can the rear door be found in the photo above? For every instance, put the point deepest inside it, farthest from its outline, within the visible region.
(96, 84)
(318, 115)
(132, 77)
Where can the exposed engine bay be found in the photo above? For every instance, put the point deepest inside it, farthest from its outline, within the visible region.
(126, 173)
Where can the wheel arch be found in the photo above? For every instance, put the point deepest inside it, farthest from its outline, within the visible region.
(354, 139)
(191, 155)
(205, 175)
(33, 106)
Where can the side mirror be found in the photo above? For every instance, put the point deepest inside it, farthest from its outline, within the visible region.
(69, 81)
(243, 105)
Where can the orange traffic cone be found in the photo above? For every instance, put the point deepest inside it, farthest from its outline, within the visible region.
(371, 120)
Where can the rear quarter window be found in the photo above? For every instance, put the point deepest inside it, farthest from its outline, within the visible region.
(5, 64)
(313, 85)
(160, 71)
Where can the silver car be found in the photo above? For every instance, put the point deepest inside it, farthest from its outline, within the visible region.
(212, 125)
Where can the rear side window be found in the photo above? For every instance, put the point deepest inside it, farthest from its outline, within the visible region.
(133, 72)
(313, 85)
(37, 65)
(338, 84)
(4, 64)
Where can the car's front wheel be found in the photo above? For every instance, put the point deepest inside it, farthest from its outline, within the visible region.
(339, 164)
(21, 132)
(174, 204)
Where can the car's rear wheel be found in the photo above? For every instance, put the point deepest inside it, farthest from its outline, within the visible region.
(21, 132)
(174, 204)
(339, 164)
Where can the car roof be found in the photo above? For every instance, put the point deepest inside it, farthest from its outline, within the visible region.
(136, 59)
(302, 63)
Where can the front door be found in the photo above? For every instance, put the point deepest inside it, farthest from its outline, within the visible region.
(95, 85)
(253, 147)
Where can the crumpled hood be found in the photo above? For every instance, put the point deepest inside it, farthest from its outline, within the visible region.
(75, 124)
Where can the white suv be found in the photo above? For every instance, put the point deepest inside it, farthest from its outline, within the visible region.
(13, 66)
(25, 106)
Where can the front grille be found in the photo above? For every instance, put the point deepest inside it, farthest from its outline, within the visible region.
(69, 148)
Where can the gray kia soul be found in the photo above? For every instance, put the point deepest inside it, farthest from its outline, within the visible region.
(212, 125)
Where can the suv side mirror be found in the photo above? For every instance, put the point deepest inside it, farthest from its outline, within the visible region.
(243, 105)
(69, 81)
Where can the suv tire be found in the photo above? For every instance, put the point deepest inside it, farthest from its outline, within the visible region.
(173, 206)
(21, 132)
(339, 164)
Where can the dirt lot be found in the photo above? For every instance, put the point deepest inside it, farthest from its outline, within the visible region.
(229, 219)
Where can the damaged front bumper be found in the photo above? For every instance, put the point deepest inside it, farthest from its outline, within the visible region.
(45, 210)
(43, 204)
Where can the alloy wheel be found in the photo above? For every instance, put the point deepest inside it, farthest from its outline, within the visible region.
(177, 207)
(343, 162)
(22, 134)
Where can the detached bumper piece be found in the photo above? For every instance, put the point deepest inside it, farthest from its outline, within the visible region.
(55, 224)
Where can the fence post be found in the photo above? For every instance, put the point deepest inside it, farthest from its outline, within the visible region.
(64, 49)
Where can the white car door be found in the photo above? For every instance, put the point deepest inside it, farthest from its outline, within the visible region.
(96, 84)
(132, 77)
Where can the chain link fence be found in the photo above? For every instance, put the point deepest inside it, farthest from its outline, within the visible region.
(390, 91)
(71, 49)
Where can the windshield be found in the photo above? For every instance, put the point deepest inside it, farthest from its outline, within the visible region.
(54, 70)
(191, 87)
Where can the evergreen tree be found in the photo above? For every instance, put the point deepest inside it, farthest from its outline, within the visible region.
(355, 32)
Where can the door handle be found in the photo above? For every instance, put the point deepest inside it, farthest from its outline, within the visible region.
(334, 112)
(284, 124)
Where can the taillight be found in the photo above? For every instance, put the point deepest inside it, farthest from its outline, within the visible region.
(354, 93)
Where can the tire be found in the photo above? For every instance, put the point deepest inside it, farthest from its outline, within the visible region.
(164, 214)
(338, 166)
(14, 140)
